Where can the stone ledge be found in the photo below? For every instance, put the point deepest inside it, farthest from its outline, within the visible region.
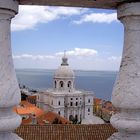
(106, 4)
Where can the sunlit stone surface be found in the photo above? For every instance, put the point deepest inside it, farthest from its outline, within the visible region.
(9, 91)
(126, 93)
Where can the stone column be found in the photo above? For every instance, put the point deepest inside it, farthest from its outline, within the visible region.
(9, 90)
(126, 93)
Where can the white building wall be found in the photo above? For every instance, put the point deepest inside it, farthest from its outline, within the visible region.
(82, 104)
(88, 105)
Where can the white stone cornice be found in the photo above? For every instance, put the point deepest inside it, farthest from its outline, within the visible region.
(11, 5)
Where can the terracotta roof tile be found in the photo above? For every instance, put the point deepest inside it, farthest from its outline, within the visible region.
(97, 101)
(50, 117)
(65, 132)
(27, 108)
(27, 121)
(32, 97)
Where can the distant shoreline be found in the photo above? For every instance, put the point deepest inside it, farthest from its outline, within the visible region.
(38, 69)
(99, 82)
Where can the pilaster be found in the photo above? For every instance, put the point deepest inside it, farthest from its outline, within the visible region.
(9, 90)
(126, 93)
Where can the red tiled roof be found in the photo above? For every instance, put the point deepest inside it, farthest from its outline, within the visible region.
(41, 116)
(27, 121)
(26, 104)
(97, 101)
(65, 132)
(50, 117)
(27, 108)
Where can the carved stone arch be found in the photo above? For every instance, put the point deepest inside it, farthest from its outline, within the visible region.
(61, 83)
(69, 84)
(55, 83)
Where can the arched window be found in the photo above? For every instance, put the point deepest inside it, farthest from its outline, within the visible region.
(59, 112)
(88, 100)
(69, 84)
(71, 103)
(61, 84)
(55, 84)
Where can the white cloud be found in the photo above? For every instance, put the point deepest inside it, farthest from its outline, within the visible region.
(33, 57)
(97, 18)
(89, 60)
(75, 52)
(80, 52)
(52, 61)
(30, 16)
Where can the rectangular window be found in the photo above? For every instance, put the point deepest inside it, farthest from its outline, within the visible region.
(71, 103)
(59, 103)
(76, 104)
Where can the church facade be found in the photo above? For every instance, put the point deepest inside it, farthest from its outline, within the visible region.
(64, 99)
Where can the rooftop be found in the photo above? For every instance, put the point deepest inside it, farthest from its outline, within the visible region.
(28, 108)
(50, 117)
(65, 132)
(41, 116)
(97, 101)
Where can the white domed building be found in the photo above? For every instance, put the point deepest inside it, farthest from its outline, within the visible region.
(64, 99)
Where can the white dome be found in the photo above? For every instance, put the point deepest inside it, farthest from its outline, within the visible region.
(64, 71)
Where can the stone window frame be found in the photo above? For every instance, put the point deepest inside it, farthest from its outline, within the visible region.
(61, 83)
(71, 103)
(59, 103)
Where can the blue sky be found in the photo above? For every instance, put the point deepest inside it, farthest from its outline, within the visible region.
(92, 38)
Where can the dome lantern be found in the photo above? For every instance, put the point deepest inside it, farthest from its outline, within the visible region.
(64, 60)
